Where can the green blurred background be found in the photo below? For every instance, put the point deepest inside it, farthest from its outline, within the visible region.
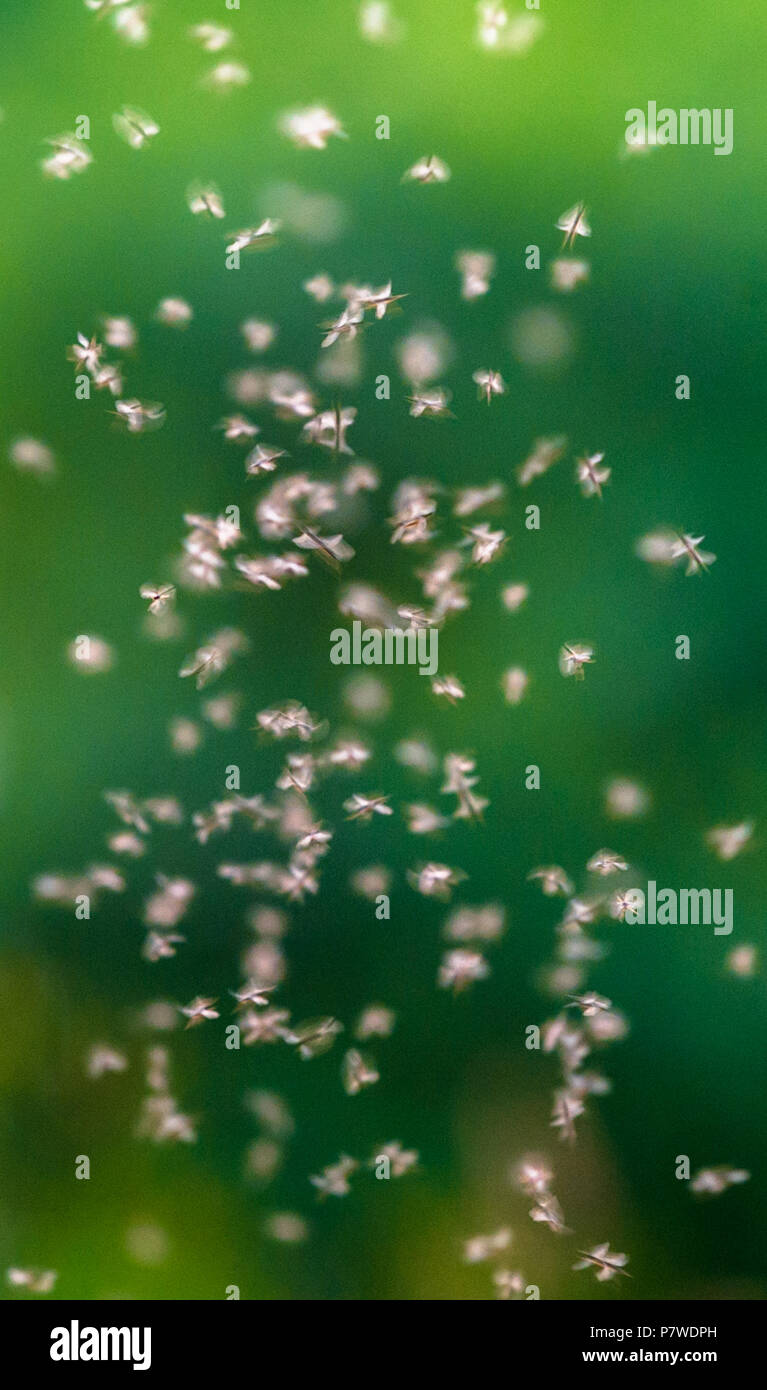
(678, 285)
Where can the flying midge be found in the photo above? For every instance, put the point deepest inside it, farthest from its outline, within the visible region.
(140, 417)
(257, 334)
(486, 544)
(226, 75)
(479, 1248)
(573, 657)
(32, 456)
(85, 353)
(119, 332)
(334, 1180)
(334, 550)
(566, 275)
(36, 1280)
(449, 687)
(430, 169)
(553, 881)
(711, 1182)
(238, 428)
(328, 429)
(311, 128)
(161, 945)
(255, 238)
(347, 325)
(205, 201)
(591, 1004)
(548, 1212)
(314, 1037)
(567, 1109)
(199, 1010)
(70, 156)
(605, 862)
(135, 127)
(211, 37)
(471, 499)
(620, 904)
(377, 23)
(263, 459)
(380, 300)
(590, 475)
(435, 880)
(365, 807)
(573, 223)
(461, 968)
(357, 1072)
(605, 1264)
(157, 595)
(546, 452)
(320, 287)
(432, 404)
(488, 384)
(174, 313)
(132, 23)
(688, 548)
(102, 1060)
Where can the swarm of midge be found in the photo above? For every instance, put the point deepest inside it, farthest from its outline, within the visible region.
(587, 1020)
(297, 526)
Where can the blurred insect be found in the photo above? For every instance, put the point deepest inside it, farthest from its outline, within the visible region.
(711, 1182)
(263, 459)
(85, 353)
(140, 417)
(211, 37)
(590, 475)
(605, 862)
(314, 1036)
(364, 807)
(357, 1072)
(70, 156)
(728, 840)
(104, 7)
(205, 201)
(429, 169)
(199, 1010)
(334, 1180)
(311, 128)
(36, 1280)
(253, 994)
(135, 127)
(432, 403)
(573, 657)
